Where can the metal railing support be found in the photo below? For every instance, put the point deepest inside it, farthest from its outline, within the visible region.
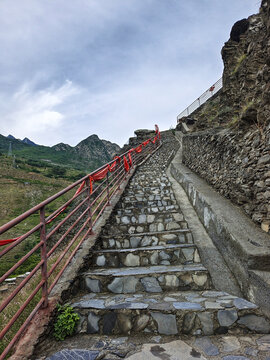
(44, 274)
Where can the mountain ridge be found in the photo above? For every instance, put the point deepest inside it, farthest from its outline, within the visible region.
(88, 154)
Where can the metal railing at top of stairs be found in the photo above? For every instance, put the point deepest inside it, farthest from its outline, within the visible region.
(201, 100)
(58, 241)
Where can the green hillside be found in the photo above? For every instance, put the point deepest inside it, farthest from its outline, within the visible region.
(88, 155)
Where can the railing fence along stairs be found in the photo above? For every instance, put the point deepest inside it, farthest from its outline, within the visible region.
(57, 237)
(201, 99)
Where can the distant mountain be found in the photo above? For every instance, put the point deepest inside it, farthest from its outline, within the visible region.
(28, 142)
(62, 147)
(88, 155)
(11, 137)
(25, 140)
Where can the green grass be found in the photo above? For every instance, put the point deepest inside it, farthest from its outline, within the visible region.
(239, 62)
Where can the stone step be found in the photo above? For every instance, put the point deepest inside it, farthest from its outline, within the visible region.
(145, 227)
(154, 279)
(146, 239)
(148, 190)
(147, 210)
(143, 256)
(125, 204)
(148, 198)
(195, 313)
(146, 219)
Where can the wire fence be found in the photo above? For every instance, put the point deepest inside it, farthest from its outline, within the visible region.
(201, 100)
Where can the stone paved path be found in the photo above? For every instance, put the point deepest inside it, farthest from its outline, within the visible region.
(146, 277)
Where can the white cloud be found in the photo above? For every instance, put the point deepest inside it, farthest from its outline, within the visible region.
(130, 63)
(34, 113)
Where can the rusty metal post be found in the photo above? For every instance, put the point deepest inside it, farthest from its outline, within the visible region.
(88, 194)
(108, 191)
(44, 274)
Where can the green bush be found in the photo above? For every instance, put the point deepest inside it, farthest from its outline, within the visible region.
(66, 322)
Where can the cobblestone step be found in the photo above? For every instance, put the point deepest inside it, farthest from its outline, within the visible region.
(153, 218)
(155, 238)
(195, 313)
(153, 279)
(143, 256)
(166, 201)
(147, 209)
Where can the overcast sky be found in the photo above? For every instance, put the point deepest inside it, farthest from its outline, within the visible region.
(72, 68)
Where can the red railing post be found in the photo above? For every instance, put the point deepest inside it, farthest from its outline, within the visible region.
(44, 274)
(108, 191)
(88, 185)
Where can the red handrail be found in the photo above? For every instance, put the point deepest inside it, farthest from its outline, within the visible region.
(79, 215)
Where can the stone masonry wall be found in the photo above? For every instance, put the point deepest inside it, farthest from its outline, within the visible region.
(236, 164)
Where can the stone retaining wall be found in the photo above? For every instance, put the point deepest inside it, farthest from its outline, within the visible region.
(237, 165)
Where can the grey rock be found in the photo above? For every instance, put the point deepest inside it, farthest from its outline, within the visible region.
(186, 306)
(111, 243)
(146, 241)
(165, 262)
(206, 319)
(241, 304)
(213, 305)
(74, 355)
(172, 226)
(134, 242)
(116, 286)
(255, 323)
(92, 323)
(206, 346)
(141, 322)
(88, 304)
(150, 218)
(126, 244)
(171, 281)
(230, 343)
(166, 323)
(151, 284)
(125, 220)
(227, 317)
(154, 258)
(101, 260)
(93, 285)
(124, 323)
(199, 279)
(132, 260)
(169, 236)
(142, 219)
(188, 253)
(188, 322)
(109, 321)
(163, 255)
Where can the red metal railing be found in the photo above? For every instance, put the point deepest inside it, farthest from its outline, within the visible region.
(59, 235)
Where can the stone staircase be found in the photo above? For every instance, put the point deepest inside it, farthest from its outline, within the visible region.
(145, 274)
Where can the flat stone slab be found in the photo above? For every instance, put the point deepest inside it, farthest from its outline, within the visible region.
(74, 354)
(146, 270)
(174, 350)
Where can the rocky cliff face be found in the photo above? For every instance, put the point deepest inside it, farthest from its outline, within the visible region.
(233, 151)
(96, 150)
(245, 97)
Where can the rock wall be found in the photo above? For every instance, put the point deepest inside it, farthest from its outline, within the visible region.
(230, 142)
(236, 164)
(245, 97)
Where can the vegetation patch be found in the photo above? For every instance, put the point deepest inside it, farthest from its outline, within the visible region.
(66, 322)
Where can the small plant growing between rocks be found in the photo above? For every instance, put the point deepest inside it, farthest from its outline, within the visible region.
(238, 63)
(65, 323)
